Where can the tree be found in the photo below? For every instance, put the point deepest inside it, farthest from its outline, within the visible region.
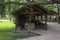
(2, 8)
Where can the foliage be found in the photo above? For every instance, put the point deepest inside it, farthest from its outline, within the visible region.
(9, 8)
(50, 7)
(2, 8)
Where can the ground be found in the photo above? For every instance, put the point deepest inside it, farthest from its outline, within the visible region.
(53, 33)
(7, 32)
(5, 29)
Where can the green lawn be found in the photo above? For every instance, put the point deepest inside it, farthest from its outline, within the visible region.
(6, 30)
(6, 25)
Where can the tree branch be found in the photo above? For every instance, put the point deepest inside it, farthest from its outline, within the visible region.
(31, 3)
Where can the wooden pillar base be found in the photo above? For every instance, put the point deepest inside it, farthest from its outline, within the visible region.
(18, 29)
(44, 26)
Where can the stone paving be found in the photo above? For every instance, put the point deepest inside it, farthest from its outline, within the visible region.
(53, 33)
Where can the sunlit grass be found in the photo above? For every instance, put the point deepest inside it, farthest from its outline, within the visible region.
(6, 25)
(6, 30)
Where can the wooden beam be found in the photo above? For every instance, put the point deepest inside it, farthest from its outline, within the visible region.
(31, 13)
(45, 22)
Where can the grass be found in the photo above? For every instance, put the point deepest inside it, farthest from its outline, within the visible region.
(6, 26)
(6, 30)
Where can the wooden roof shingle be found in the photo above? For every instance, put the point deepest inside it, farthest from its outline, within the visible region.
(34, 8)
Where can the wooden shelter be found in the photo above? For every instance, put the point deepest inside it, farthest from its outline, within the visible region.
(28, 14)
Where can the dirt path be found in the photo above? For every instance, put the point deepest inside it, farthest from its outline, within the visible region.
(53, 33)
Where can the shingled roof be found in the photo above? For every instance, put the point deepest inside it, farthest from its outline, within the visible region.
(34, 8)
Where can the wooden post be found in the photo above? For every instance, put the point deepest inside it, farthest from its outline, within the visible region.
(41, 18)
(45, 22)
(17, 24)
(30, 16)
(50, 18)
(33, 17)
(37, 17)
(58, 12)
(16, 21)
